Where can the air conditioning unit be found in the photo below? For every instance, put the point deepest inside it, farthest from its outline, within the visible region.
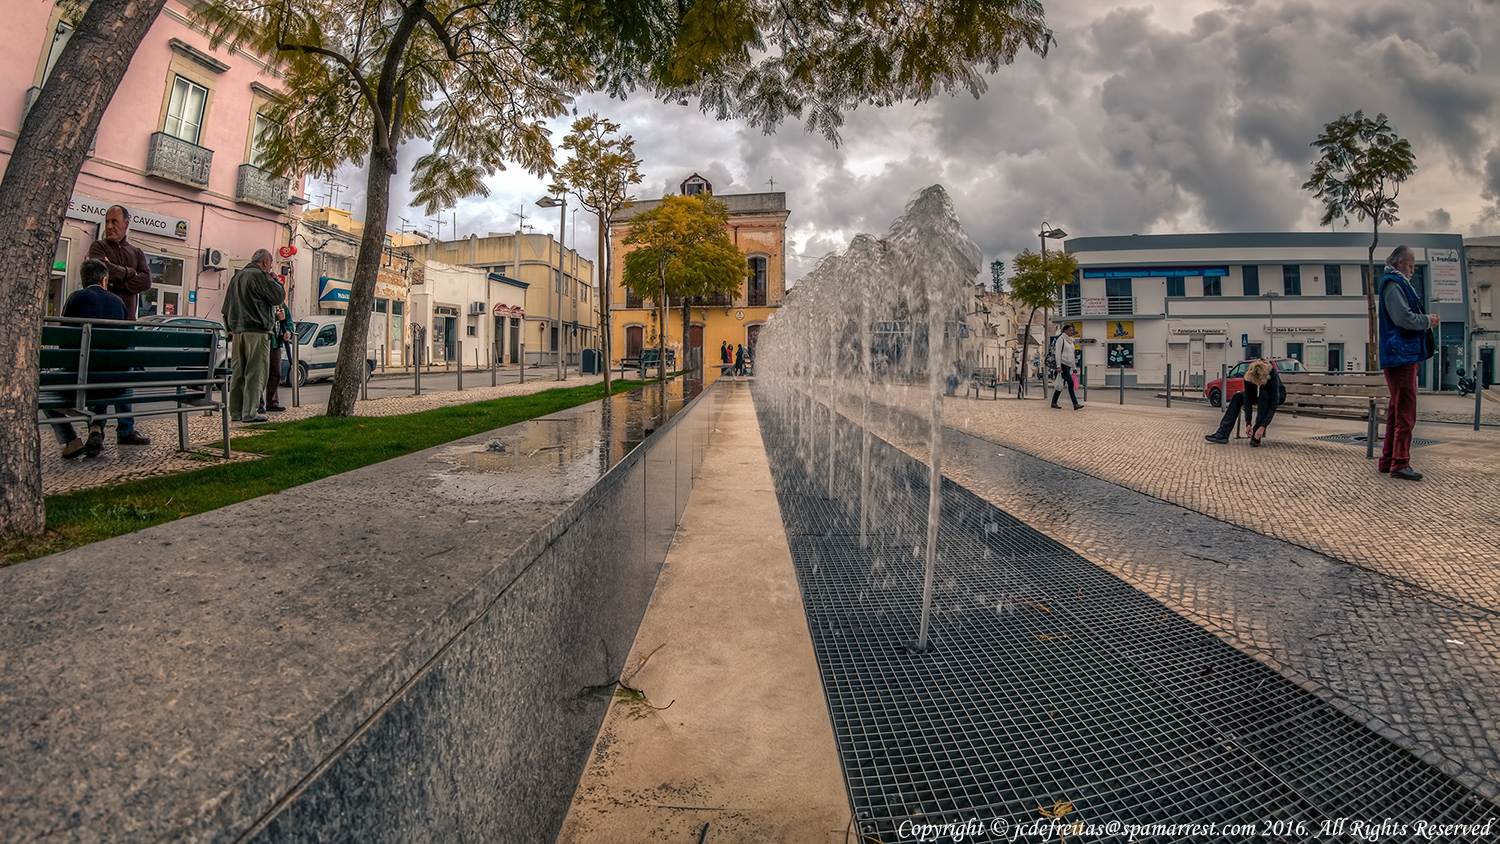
(213, 259)
(477, 308)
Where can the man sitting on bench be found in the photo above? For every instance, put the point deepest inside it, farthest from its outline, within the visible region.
(1263, 390)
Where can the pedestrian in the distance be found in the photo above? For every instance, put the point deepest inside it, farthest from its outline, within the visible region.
(1264, 392)
(1405, 341)
(726, 357)
(739, 360)
(1062, 350)
(249, 305)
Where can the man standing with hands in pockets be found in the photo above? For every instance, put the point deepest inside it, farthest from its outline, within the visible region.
(1405, 330)
(249, 316)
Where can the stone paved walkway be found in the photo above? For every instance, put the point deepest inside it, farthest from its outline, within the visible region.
(1381, 595)
(117, 465)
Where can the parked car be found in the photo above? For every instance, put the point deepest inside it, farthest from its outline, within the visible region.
(318, 341)
(222, 355)
(1215, 392)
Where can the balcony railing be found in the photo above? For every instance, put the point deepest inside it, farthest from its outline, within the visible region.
(756, 298)
(177, 160)
(258, 187)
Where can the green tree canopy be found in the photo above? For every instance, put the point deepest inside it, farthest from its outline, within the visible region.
(1361, 165)
(1035, 282)
(600, 172)
(682, 250)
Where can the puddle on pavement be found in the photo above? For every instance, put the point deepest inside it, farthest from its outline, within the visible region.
(556, 458)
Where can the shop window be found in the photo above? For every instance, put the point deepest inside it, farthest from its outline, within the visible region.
(1121, 355)
(1251, 276)
(1294, 351)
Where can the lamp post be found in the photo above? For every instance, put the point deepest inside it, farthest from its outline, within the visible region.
(1270, 297)
(1049, 231)
(562, 226)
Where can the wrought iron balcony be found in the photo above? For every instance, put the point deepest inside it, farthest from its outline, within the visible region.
(258, 187)
(756, 298)
(177, 160)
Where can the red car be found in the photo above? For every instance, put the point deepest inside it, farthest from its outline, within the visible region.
(1214, 392)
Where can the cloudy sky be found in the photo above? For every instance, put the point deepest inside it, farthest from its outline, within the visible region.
(1183, 116)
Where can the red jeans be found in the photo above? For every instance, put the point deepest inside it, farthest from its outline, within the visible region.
(1400, 416)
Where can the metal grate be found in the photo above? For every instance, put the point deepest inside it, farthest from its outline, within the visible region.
(1360, 438)
(1051, 681)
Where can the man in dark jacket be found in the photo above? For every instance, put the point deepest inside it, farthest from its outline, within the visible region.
(129, 276)
(1403, 347)
(249, 305)
(91, 301)
(1263, 391)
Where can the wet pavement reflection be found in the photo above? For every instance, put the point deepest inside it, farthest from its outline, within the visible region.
(556, 458)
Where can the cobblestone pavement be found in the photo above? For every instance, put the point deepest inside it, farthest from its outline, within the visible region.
(1380, 595)
(118, 464)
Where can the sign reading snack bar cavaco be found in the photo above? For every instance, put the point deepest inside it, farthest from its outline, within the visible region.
(82, 207)
(1447, 276)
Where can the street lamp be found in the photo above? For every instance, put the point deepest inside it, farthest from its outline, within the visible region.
(1055, 234)
(1270, 297)
(562, 226)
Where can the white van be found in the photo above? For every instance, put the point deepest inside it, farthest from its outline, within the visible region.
(318, 339)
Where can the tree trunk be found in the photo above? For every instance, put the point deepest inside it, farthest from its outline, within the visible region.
(49, 152)
(350, 371)
(602, 299)
(661, 336)
(1372, 348)
(1025, 363)
(687, 333)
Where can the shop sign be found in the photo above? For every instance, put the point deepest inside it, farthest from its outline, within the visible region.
(149, 222)
(1198, 330)
(1446, 274)
(1120, 329)
(1296, 329)
(333, 291)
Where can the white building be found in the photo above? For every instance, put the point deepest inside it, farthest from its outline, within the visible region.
(468, 314)
(1198, 301)
(1484, 273)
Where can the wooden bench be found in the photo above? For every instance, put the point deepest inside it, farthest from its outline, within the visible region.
(1351, 395)
(168, 369)
(985, 377)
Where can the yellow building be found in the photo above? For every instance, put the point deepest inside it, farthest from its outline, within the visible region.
(757, 225)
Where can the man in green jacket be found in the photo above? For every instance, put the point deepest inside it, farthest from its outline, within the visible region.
(249, 316)
(281, 338)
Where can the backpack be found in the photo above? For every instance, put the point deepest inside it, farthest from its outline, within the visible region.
(1052, 354)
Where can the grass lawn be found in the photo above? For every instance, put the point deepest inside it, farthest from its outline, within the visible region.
(295, 453)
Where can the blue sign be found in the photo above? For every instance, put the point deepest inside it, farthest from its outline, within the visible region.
(192, 295)
(1244, 339)
(332, 291)
(1157, 272)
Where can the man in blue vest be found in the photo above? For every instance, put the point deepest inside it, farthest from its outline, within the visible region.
(1404, 344)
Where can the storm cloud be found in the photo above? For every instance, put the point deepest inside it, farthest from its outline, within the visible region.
(1194, 115)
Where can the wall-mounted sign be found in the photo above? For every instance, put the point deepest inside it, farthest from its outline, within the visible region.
(287, 251)
(1197, 330)
(1446, 275)
(1116, 329)
(88, 208)
(1157, 272)
(1294, 328)
(1094, 306)
(333, 291)
(501, 309)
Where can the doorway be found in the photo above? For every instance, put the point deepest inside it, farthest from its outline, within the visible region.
(695, 346)
(1487, 365)
(635, 340)
(1335, 357)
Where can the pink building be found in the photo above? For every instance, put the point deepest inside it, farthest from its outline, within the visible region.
(177, 147)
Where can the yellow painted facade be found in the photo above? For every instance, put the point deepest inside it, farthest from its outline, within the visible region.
(757, 225)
